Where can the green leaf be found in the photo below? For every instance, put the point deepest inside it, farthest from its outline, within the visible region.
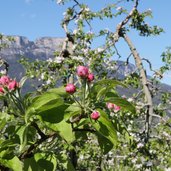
(54, 115)
(72, 110)
(22, 81)
(4, 118)
(66, 163)
(22, 133)
(6, 154)
(2, 123)
(105, 127)
(31, 165)
(102, 87)
(82, 122)
(40, 162)
(110, 82)
(45, 103)
(123, 103)
(46, 161)
(63, 128)
(15, 164)
(104, 143)
(59, 91)
(103, 91)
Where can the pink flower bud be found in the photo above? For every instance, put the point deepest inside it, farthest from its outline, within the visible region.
(70, 88)
(1, 90)
(116, 108)
(4, 80)
(12, 85)
(90, 77)
(95, 115)
(82, 71)
(110, 105)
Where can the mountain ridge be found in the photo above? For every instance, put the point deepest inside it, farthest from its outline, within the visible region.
(43, 48)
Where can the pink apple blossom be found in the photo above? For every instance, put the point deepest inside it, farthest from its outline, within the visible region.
(82, 71)
(110, 105)
(95, 115)
(12, 85)
(113, 106)
(70, 88)
(1, 90)
(4, 80)
(90, 77)
(116, 108)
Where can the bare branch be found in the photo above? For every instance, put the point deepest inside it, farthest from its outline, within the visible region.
(143, 76)
(124, 22)
(34, 124)
(150, 66)
(28, 152)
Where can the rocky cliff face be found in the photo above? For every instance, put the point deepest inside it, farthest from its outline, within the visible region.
(42, 48)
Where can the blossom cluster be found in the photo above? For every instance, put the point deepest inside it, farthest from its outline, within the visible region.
(7, 83)
(114, 107)
(84, 73)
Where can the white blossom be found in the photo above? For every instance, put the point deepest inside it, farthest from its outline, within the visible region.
(59, 59)
(75, 31)
(138, 166)
(90, 32)
(59, 1)
(140, 145)
(64, 13)
(119, 8)
(42, 76)
(81, 157)
(3, 72)
(129, 128)
(134, 160)
(111, 162)
(48, 81)
(99, 50)
(49, 60)
(149, 10)
(74, 47)
(166, 134)
(87, 9)
(149, 163)
(130, 99)
(85, 51)
(78, 58)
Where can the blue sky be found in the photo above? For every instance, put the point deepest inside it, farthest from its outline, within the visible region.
(38, 18)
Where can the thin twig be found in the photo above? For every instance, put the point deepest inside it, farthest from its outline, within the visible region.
(86, 130)
(145, 85)
(28, 152)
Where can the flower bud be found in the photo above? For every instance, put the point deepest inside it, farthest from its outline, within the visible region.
(116, 108)
(90, 77)
(12, 85)
(82, 71)
(70, 88)
(110, 105)
(95, 115)
(4, 80)
(1, 90)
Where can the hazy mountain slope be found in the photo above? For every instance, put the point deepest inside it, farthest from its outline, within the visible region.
(43, 48)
